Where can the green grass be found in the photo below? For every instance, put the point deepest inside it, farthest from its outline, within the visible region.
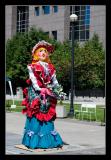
(100, 112)
(18, 108)
(10, 102)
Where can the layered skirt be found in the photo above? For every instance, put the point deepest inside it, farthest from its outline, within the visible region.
(40, 134)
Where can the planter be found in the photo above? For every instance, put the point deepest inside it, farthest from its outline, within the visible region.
(61, 111)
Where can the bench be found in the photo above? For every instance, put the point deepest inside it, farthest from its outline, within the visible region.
(88, 108)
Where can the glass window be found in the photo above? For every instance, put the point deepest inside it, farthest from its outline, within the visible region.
(82, 17)
(87, 27)
(87, 34)
(82, 34)
(76, 27)
(54, 34)
(55, 9)
(76, 35)
(82, 27)
(87, 19)
(77, 13)
(83, 7)
(81, 22)
(70, 9)
(22, 18)
(37, 11)
(82, 13)
(87, 11)
(77, 8)
(87, 15)
(88, 7)
(46, 9)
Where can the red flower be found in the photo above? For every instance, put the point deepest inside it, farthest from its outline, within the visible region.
(25, 91)
(28, 81)
(24, 102)
(35, 103)
(34, 107)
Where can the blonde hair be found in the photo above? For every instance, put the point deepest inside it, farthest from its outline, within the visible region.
(35, 58)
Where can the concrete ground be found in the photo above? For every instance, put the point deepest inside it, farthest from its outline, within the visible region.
(81, 137)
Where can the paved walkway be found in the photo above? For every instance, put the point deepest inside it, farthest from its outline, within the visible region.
(80, 137)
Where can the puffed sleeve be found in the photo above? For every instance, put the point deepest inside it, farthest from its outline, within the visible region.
(56, 87)
(54, 80)
(33, 78)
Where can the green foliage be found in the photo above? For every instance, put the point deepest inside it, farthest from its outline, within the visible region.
(62, 62)
(90, 64)
(89, 60)
(99, 112)
(18, 54)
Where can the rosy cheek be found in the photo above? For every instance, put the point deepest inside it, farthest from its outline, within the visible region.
(46, 55)
(40, 54)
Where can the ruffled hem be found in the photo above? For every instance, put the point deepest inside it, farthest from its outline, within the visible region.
(51, 114)
(37, 140)
(34, 110)
(47, 116)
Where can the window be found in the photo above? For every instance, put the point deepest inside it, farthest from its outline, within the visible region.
(82, 34)
(81, 28)
(22, 18)
(54, 34)
(46, 9)
(71, 9)
(37, 11)
(87, 15)
(77, 8)
(76, 35)
(87, 34)
(55, 9)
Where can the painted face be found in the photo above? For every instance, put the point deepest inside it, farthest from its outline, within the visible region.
(41, 54)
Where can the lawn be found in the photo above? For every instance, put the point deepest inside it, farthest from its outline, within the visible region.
(18, 108)
(100, 112)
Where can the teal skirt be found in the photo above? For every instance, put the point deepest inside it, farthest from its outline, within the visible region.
(38, 134)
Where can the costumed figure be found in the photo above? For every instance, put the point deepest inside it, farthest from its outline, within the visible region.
(40, 100)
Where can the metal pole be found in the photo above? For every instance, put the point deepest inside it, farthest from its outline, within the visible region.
(71, 113)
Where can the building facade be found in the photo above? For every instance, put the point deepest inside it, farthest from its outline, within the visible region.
(55, 21)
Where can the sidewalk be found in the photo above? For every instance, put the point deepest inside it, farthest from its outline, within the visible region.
(81, 137)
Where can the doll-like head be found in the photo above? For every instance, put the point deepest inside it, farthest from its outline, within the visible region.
(41, 52)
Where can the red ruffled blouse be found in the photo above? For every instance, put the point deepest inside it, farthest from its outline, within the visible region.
(43, 78)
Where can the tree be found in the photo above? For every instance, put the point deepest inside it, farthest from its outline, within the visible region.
(61, 59)
(18, 54)
(89, 60)
(90, 64)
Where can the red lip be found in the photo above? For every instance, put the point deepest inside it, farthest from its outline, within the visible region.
(43, 55)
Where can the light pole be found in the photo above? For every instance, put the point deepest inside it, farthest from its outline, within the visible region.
(73, 18)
